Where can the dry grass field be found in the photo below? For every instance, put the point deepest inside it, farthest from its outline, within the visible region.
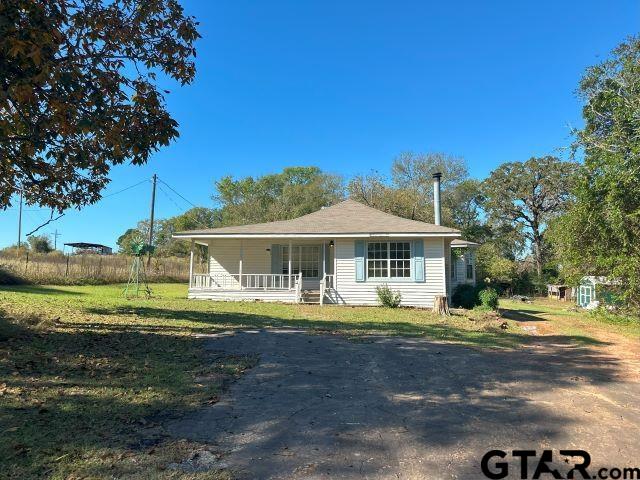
(58, 269)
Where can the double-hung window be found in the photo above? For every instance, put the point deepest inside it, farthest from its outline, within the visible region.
(389, 260)
(304, 258)
(469, 263)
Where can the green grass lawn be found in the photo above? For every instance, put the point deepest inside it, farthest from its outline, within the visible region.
(87, 377)
(169, 312)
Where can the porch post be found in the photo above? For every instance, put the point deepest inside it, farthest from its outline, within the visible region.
(290, 263)
(191, 265)
(240, 266)
(324, 259)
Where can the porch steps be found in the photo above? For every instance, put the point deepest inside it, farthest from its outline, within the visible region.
(310, 297)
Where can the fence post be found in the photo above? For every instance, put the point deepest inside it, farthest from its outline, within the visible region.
(66, 271)
(26, 263)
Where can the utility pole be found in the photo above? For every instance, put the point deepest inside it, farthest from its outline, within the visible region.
(20, 222)
(55, 236)
(154, 180)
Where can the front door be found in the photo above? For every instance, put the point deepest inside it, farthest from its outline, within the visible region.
(585, 295)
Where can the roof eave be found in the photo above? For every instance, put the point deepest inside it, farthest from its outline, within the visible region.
(315, 235)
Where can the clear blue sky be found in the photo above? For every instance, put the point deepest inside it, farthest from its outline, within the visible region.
(347, 85)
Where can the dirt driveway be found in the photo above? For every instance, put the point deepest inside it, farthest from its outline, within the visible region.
(322, 406)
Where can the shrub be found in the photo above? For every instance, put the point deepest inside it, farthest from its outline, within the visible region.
(465, 296)
(387, 297)
(489, 298)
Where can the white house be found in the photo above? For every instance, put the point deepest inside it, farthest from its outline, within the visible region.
(339, 254)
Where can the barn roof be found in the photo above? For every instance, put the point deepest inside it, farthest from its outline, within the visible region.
(86, 245)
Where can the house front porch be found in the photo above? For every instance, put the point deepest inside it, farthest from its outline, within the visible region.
(262, 270)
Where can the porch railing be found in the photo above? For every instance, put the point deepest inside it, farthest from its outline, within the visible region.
(254, 281)
(298, 278)
(325, 284)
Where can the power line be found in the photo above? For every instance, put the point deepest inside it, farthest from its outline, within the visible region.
(125, 189)
(174, 191)
(200, 224)
(171, 198)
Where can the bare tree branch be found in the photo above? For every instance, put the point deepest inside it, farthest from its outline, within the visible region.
(51, 219)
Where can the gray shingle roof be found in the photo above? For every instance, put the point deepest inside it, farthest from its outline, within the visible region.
(344, 218)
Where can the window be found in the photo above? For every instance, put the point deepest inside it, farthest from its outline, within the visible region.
(469, 262)
(310, 261)
(389, 260)
(377, 260)
(454, 270)
(304, 258)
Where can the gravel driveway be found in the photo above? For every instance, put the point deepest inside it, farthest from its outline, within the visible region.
(323, 406)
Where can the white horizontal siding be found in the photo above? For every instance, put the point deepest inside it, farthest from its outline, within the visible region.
(244, 295)
(225, 256)
(419, 294)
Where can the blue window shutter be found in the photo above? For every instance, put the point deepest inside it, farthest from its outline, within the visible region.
(327, 254)
(418, 260)
(359, 258)
(276, 259)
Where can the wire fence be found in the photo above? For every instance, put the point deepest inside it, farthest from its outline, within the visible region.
(59, 269)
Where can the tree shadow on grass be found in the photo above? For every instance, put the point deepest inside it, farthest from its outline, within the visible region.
(67, 396)
(197, 321)
(39, 290)
(522, 315)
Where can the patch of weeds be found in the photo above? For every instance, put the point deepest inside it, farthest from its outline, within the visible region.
(235, 365)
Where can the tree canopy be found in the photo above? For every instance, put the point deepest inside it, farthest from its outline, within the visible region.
(78, 92)
(601, 230)
(294, 192)
(408, 190)
(527, 195)
(196, 218)
(40, 244)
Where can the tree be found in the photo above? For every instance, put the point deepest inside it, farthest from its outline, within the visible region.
(294, 192)
(126, 241)
(40, 244)
(78, 92)
(408, 192)
(494, 267)
(600, 231)
(412, 174)
(195, 218)
(528, 195)
(463, 206)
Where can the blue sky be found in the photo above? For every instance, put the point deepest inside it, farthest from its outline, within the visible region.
(347, 85)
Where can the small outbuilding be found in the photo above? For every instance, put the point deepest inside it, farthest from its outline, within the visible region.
(80, 248)
(562, 293)
(594, 291)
